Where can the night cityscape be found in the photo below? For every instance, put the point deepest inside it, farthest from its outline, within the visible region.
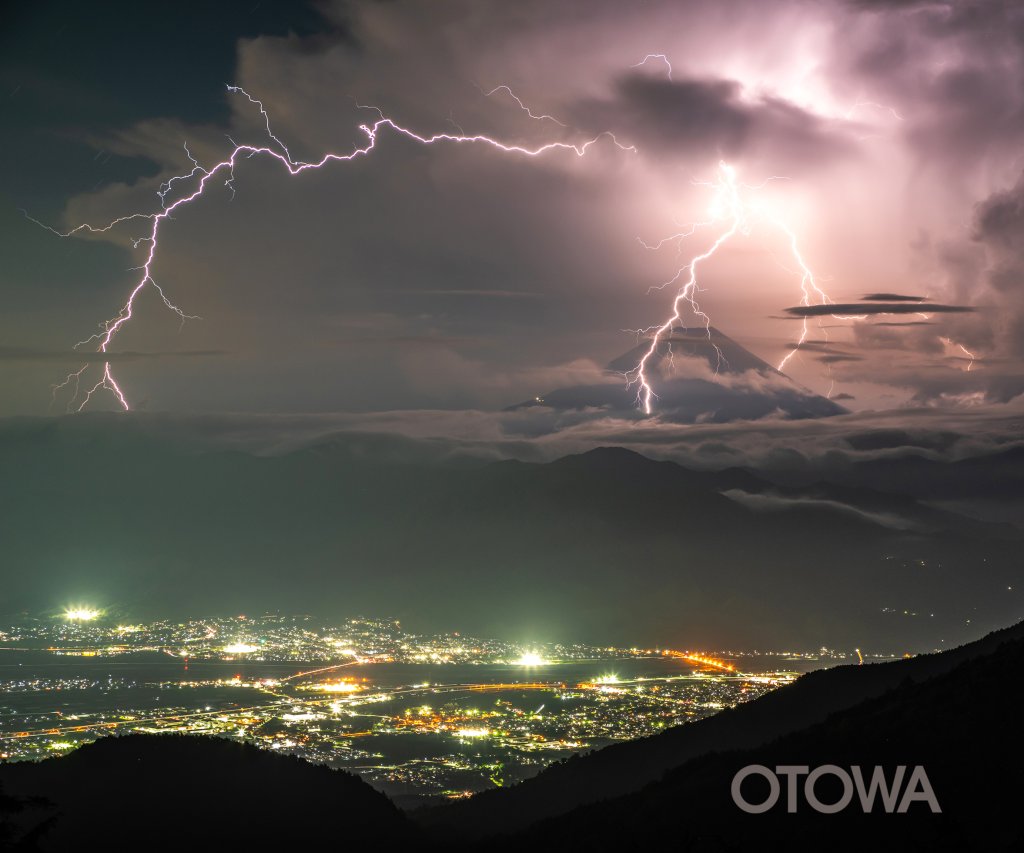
(461, 424)
(443, 715)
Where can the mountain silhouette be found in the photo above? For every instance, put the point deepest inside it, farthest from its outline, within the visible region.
(625, 768)
(697, 375)
(962, 727)
(178, 792)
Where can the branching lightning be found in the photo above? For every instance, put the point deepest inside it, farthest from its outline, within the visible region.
(734, 215)
(523, 106)
(871, 105)
(655, 56)
(224, 171)
(970, 356)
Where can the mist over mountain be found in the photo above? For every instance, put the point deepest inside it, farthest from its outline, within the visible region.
(603, 546)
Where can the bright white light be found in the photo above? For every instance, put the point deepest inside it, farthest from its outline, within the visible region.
(81, 614)
(531, 659)
(473, 732)
(240, 649)
(336, 687)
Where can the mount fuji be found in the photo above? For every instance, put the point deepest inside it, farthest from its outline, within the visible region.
(699, 376)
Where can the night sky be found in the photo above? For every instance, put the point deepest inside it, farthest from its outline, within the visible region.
(406, 299)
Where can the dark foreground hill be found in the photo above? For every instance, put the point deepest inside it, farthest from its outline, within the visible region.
(624, 768)
(962, 727)
(957, 714)
(172, 792)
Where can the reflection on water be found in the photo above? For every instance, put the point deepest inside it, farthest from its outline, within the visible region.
(409, 729)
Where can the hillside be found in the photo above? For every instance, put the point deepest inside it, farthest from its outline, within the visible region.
(962, 727)
(624, 768)
(171, 792)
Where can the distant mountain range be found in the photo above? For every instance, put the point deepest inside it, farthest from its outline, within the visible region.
(955, 713)
(605, 546)
(698, 375)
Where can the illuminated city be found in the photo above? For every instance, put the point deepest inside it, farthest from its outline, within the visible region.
(412, 714)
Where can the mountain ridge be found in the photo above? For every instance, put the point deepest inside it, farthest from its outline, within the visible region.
(959, 728)
(622, 769)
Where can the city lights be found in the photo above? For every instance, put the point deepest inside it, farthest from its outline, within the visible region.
(81, 614)
(241, 649)
(326, 692)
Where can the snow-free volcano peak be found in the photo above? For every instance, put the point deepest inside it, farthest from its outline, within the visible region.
(699, 375)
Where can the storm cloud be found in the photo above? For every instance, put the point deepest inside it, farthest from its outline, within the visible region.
(883, 135)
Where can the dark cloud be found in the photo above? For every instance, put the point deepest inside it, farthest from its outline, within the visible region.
(694, 118)
(999, 219)
(8, 353)
(892, 297)
(957, 66)
(839, 358)
(889, 5)
(878, 308)
(999, 228)
(811, 345)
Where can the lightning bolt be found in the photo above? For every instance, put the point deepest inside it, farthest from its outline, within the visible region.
(523, 106)
(949, 342)
(872, 105)
(734, 215)
(730, 210)
(224, 172)
(655, 56)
